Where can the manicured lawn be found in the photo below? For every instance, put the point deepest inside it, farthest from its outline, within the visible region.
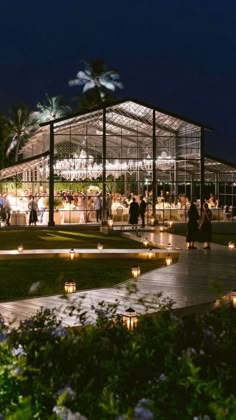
(48, 239)
(17, 276)
(50, 274)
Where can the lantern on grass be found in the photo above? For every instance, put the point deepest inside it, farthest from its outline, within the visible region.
(100, 246)
(135, 271)
(231, 245)
(70, 287)
(168, 260)
(20, 248)
(233, 298)
(150, 253)
(130, 319)
(110, 223)
(72, 254)
(145, 242)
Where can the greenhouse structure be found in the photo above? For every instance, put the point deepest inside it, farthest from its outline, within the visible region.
(88, 167)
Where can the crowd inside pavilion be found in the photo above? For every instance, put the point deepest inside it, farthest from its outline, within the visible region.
(124, 150)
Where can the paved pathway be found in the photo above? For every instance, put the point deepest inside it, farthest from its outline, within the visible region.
(193, 280)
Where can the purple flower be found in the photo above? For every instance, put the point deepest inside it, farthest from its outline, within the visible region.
(59, 331)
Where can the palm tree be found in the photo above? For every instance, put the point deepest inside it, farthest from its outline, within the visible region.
(4, 134)
(20, 127)
(97, 82)
(51, 109)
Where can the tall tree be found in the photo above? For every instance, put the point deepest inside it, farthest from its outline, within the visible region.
(98, 83)
(49, 110)
(4, 134)
(20, 127)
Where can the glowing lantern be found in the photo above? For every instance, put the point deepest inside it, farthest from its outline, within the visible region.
(233, 298)
(170, 223)
(72, 254)
(135, 271)
(20, 248)
(168, 260)
(150, 253)
(70, 287)
(231, 245)
(161, 228)
(110, 223)
(152, 221)
(100, 247)
(130, 319)
(145, 242)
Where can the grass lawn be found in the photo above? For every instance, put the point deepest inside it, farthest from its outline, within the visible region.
(17, 276)
(48, 239)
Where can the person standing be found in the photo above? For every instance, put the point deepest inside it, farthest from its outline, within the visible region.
(33, 208)
(192, 229)
(133, 213)
(205, 226)
(98, 207)
(142, 210)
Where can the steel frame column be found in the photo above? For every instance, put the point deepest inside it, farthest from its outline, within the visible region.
(154, 152)
(104, 155)
(51, 178)
(202, 168)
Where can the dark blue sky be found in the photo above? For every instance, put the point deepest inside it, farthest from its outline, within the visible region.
(177, 54)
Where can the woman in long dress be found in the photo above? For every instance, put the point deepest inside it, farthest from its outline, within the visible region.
(33, 208)
(193, 231)
(205, 226)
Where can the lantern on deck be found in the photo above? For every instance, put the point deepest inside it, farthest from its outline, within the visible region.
(72, 254)
(70, 287)
(150, 253)
(20, 248)
(145, 242)
(100, 247)
(130, 319)
(110, 223)
(233, 298)
(168, 260)
(161, 228)
(135, 271)
(170, 223)
(152, 221)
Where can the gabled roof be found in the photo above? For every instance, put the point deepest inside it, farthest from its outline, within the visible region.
(123, 101)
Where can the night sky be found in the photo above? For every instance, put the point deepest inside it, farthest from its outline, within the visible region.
(178, 55)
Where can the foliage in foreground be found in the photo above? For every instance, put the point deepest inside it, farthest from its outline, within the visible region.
(168, 368)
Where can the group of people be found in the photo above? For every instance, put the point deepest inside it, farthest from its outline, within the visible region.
(199, 228)
(136, 210)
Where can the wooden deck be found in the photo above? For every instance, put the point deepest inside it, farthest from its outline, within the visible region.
(193, 280)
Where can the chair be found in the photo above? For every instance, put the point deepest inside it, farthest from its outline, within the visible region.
(119, 213)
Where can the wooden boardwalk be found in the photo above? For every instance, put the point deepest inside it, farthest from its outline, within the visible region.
(193, 280)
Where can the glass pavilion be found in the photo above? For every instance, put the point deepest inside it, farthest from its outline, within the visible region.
(124, 150)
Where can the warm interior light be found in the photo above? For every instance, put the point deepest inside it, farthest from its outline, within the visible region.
(70, 287)
(130, 319)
